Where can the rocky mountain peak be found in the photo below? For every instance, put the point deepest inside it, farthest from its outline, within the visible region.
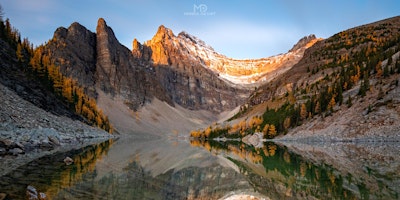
(137, 48)
(136, 44)
(78, 45)
(77, 28)
(101, 23)
(112, 58)
(74, 30)
(303, 42)
(61, 32)
(163, 34)
(194, 40)
(103, 31)
(160, 46)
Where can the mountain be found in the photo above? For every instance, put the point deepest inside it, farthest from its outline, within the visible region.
(100, 62)
(178, 69)
(364, 46)
(344, 88)
(185, 49)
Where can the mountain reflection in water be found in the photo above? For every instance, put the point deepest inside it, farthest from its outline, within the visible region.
(162, 168)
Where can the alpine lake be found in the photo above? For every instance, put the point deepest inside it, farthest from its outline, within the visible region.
(180, 168)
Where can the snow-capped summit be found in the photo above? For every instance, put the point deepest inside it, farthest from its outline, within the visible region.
(168, 49)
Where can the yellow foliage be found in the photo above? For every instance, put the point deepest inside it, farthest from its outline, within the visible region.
(195, 134)
(286, 156)
(286, 123)
(272, 149)
(331, 104)
(207, 132)
(272, 131)
(265, 150)
(265, 129)
(242, 125)
(255, 121)
(195, 143)
(378, 69)
(303, 169)
(233, 129)
(68, 89)
(303, 112)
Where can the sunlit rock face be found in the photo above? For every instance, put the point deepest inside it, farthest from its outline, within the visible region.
(168, 49)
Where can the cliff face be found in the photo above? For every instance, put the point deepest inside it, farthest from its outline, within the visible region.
(158, 69)
(74, 50)
(119, 72)
(185, 78)
(99, 61)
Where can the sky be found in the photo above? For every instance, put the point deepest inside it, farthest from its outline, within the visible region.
(236, 28)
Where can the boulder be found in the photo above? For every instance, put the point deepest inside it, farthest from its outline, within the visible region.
(68, 160)
(16, 151)
(31, 193)
(3, 196)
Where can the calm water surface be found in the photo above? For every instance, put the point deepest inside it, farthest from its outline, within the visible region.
(170, 168)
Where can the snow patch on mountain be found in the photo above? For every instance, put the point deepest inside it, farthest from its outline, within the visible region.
(242, 72)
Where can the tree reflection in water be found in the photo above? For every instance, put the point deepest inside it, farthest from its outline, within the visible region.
(50, 175)
(279, 173)
(275, 171)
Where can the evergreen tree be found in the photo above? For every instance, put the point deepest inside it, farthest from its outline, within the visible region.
(364, 87)
(1, 13)
(381, 94)
(398, 66)
(20, 53)
(339, 93)
(386, 71)
(349, 102)
(390, 60)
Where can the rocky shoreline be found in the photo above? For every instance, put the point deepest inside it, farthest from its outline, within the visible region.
(28, 132)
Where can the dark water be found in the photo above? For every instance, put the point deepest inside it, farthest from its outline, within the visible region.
(166, 168)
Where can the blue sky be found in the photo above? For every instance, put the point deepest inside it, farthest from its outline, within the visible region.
(236, 28)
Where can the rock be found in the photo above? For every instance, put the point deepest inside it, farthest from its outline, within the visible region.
(303, 42)
(3, 151)
(16, 151)
(19, 145)
(256, 140)
(5, 143)
(79, 45)
(45, 145)
(53, 140)
(3, 196)
(68, 160)
(31, 193)
(42, 196)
